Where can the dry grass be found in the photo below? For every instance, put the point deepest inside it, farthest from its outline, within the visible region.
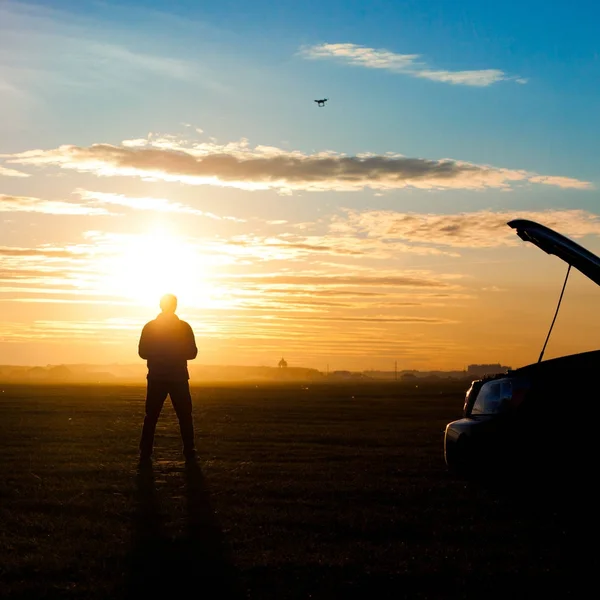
(335, 491)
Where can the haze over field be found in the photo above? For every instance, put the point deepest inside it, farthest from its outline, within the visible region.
(148, 148)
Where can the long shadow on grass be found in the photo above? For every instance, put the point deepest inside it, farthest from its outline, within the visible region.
(552, 502)
(196, 563)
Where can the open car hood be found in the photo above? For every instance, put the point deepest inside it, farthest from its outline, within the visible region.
(555, 243)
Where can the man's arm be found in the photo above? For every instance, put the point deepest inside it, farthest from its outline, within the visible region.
(191, 350)
(144, 346)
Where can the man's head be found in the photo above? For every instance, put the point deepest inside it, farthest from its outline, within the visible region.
(168, 303)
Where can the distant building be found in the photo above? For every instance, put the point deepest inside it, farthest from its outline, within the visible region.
(483, 370)
(341, 375)
(429, 375)
(282, 364)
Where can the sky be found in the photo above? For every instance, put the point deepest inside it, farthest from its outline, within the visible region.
(153, 147)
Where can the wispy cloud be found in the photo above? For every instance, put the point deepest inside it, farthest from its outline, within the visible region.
(51, 207)
(420, 320)
(338, 243)
(261, 168)
(410, 281)
(274, 303)
(481, 229)
(103, 264)
(46, 269)
(114, 330)
(34, 276)
(278, 245)
(555, 180)
(145, 203)
(159, 65)
(67, 50)
(38, 252)
(4, 172)
(407, 64)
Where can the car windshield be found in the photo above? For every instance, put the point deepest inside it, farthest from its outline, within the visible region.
(492, 397)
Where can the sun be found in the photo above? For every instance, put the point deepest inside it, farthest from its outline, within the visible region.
(146, 266)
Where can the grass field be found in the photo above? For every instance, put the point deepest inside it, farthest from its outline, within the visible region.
(301, 491)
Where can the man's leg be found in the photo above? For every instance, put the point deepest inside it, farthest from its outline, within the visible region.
(182, 403)
(155, 398)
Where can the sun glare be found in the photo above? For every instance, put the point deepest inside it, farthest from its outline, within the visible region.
(155, 263)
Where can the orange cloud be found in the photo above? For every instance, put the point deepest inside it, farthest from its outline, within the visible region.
(51, 207)
(146, 203)
(262, 168)
(482, 229)
(4, 172)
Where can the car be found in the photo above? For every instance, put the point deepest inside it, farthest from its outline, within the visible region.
(534, 419)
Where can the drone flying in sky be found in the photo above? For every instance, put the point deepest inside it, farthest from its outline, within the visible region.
(321, 102)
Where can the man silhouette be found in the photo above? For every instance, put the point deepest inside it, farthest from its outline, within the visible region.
(167, 343)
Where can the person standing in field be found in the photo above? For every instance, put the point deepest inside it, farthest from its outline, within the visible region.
(167, 343)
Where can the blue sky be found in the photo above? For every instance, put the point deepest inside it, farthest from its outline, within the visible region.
(508, 93)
